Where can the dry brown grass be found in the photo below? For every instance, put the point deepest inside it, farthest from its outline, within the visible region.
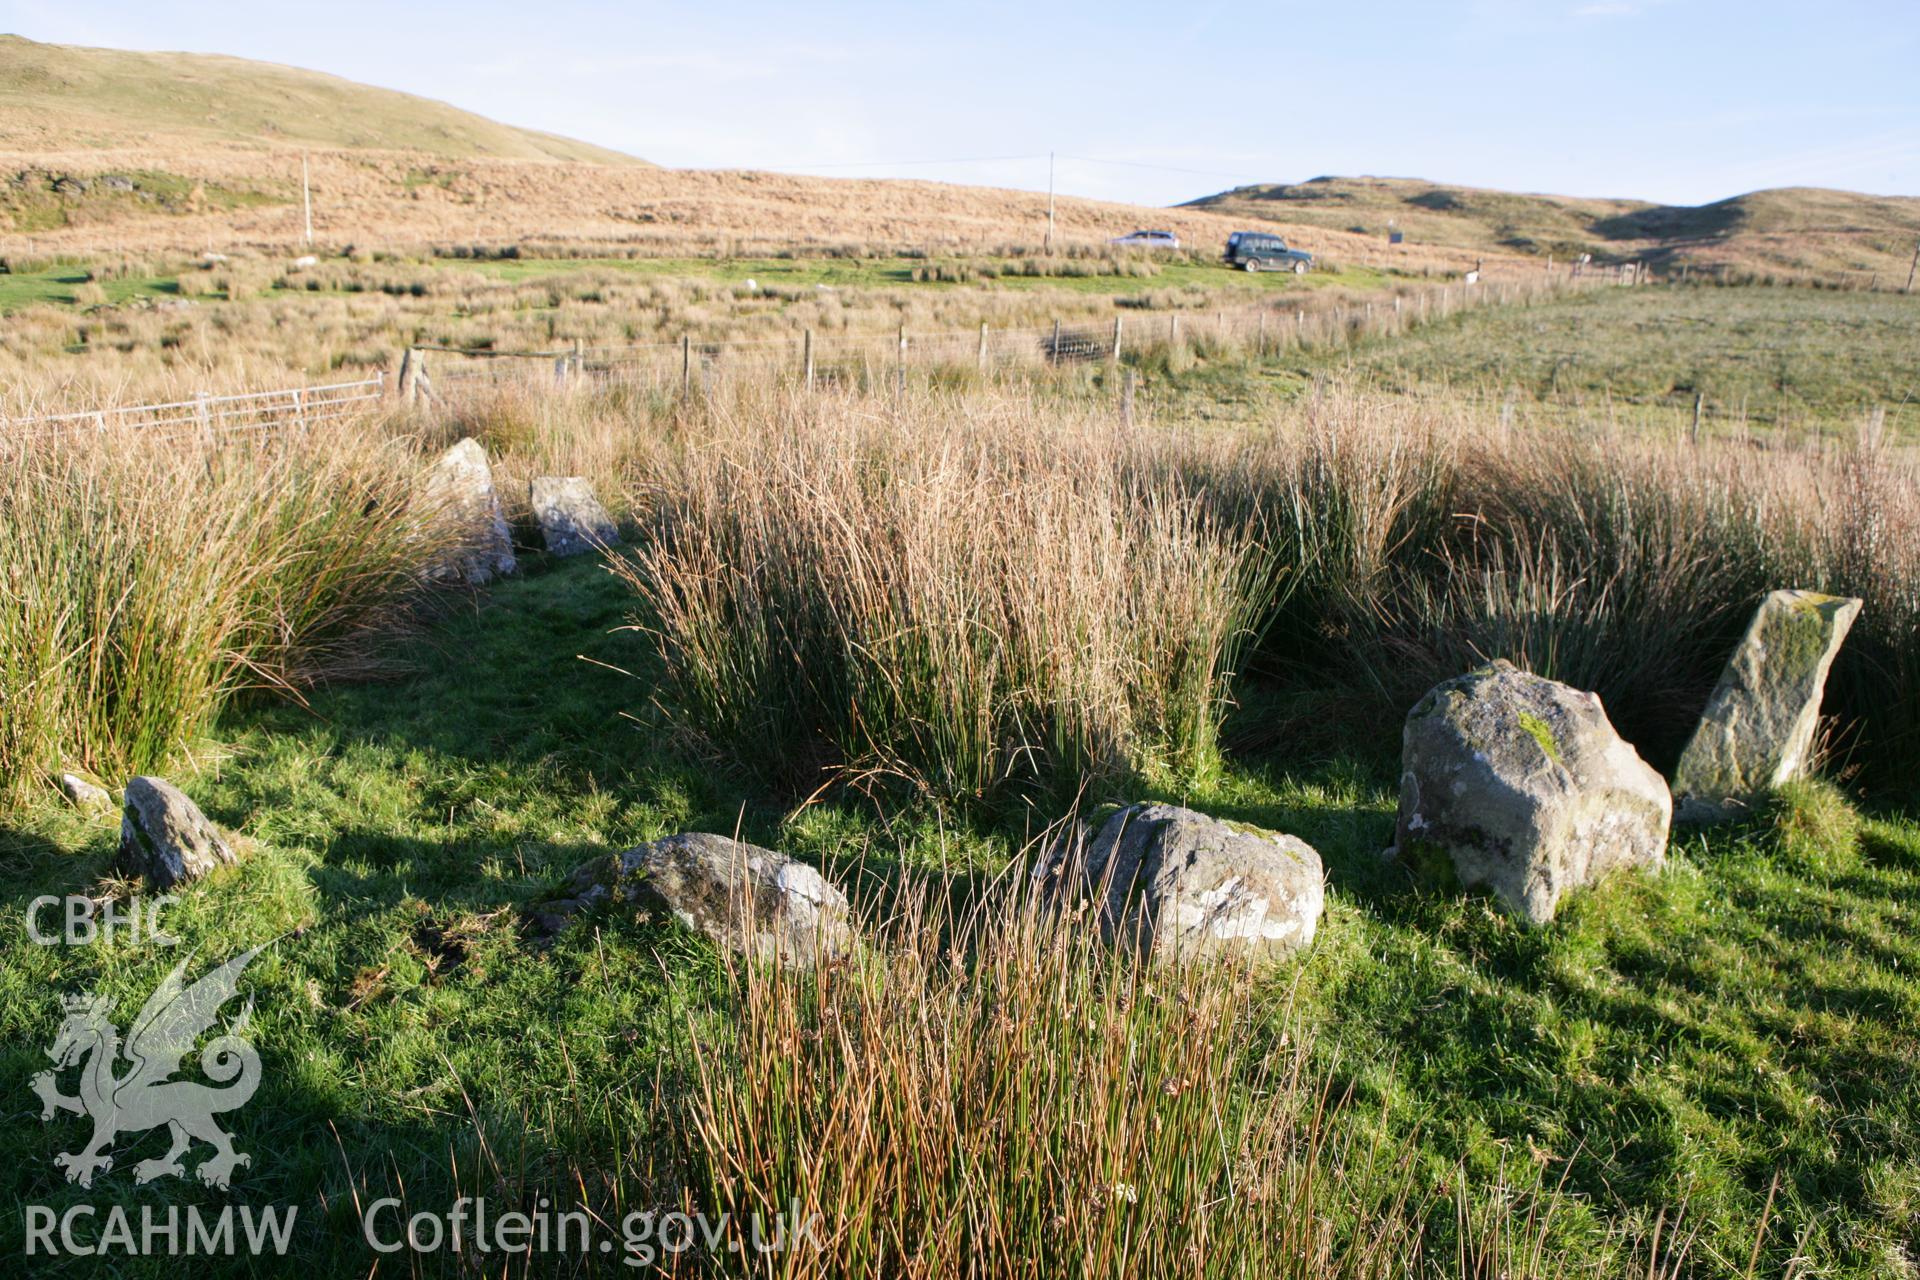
(970, 592)
(992, 1091)
(372, 199)
(369, 313)
(1794, 234)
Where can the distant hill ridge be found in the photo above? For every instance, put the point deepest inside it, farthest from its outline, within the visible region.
(1808, 229)
(64, 97)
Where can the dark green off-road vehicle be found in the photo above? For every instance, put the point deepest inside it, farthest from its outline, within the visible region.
(1258, 251)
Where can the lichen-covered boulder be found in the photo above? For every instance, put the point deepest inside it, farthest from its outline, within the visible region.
(756, 901)
(1522, 785)
(1181, 884)
(83, 792)
(572, 521)
(1758, 728)
(164, 836)
(462, 483)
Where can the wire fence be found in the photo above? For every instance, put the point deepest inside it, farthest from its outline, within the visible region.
(692, 368)
(449, 378)
(292, 407)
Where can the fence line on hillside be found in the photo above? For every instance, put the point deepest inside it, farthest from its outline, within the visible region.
(293, 407)
(690, 368)
(448, 377)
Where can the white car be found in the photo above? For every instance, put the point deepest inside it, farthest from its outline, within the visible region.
(1147, 240)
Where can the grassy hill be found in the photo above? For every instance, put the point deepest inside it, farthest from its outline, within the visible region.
(109, 154)
(1791, 230)
(63, 97)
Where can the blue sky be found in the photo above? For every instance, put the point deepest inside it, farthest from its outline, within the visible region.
(1675, 100)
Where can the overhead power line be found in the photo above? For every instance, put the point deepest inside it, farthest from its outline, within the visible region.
(1164, 168)
(894, 164)
(1005, 159)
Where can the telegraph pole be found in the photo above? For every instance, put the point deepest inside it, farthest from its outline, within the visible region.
(1912, 267)
(1049, 245)
(306, 198)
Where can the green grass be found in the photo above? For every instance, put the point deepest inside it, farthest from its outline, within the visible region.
(57, 286)
(1764, 358)
(1671, 1040)
(1786, 357)
(875, 273)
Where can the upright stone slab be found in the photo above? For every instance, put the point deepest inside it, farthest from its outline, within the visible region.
(756, 901)
(1523, 786)
(463, 482)
(1177, 883)
(1758, 728)
(572, 521)
(164, 836)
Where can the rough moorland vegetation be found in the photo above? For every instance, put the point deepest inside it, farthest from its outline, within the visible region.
(902, 633)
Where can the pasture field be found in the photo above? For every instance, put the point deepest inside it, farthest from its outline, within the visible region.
(1119, 276)
(1774, 357)
(146, 330)
(904, 635)
(1773, 362)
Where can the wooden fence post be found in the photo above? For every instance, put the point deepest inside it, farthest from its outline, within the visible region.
(1053, 351)
(806, 359)
(203, 415)
(1126, 400)
(900, 370)
(983, 346)
(1116, 338)
(686, 366)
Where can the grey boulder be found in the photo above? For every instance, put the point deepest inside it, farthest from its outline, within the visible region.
(1758, 728)
(164, 836)
(1180, 884)
(572, 521)
(462, 484)
(1523, 786)
(83, 792)
(756, 901)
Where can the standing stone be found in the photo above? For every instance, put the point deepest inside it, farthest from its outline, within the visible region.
(1523, 785)
(165, 837)
(1758, 728)
(1181, 884)
(756, 901)
(463, 482)
(572, 521)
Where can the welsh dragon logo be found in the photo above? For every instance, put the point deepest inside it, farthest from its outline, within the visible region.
(145, 1096)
